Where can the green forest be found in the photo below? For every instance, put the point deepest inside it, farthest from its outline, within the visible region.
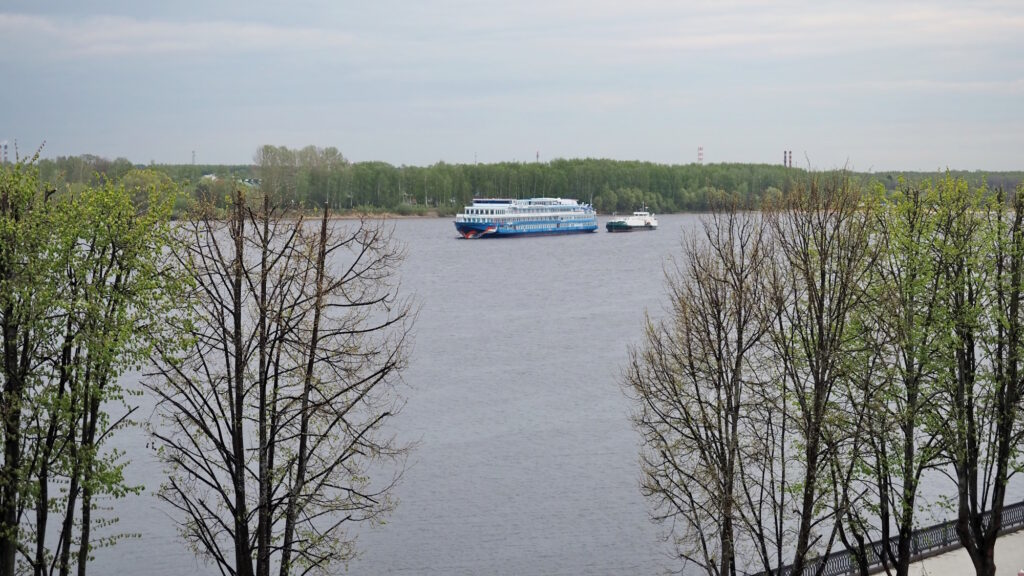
(310, 176)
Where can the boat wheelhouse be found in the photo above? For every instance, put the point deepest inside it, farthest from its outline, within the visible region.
(498, 217)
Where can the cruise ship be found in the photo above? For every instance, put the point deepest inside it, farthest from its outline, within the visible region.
(499, 218)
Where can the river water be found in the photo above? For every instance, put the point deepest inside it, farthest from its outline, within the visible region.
(528, 463)
(526, 460)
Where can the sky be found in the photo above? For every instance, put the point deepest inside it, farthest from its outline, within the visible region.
(866, 85)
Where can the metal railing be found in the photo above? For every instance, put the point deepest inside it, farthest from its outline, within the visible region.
(924, 542)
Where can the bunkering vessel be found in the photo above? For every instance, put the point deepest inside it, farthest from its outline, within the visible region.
(497, 217)
(641, 220)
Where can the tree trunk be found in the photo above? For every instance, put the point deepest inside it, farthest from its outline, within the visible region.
(263, 526)
(9, 474)
(67, 528)
(811, 454)
(243, 550)
(88, 443)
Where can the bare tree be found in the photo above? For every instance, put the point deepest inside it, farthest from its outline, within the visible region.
(824, 256)
(691, 379)
(274, 413)
(752, 395)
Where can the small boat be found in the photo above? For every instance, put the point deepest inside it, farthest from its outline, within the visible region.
(640, 220)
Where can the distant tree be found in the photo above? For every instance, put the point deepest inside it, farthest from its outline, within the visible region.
(277, 169)
(141, 184)
(607, 201)
(118, 169)
(753, 402)
(772, 196)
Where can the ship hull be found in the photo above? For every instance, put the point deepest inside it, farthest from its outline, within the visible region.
(474, 230)
(622, 227)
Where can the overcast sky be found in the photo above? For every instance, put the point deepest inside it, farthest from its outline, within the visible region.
(869, 85)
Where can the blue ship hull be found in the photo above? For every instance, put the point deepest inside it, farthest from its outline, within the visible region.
(490, 230)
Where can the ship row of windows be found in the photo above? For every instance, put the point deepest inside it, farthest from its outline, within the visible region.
(507, 220)
(548, 226)
(530, 226)
(492, 211)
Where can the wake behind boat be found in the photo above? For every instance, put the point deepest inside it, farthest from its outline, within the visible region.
(498, 217)
(641, 220)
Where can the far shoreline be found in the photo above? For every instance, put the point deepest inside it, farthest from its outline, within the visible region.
(346, 215)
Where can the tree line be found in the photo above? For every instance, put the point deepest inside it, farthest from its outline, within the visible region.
(324, 175)
(824, 355)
